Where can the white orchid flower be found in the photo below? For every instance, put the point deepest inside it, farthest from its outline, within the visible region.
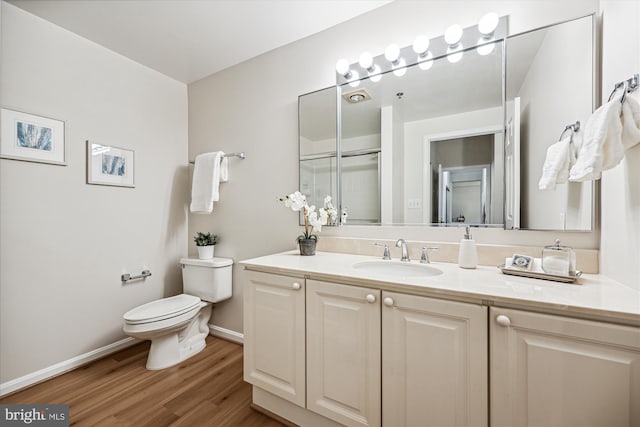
(296, 201)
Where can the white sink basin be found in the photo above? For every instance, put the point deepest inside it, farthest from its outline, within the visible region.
(397, 268)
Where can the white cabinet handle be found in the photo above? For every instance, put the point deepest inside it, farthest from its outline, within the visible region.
(296, 286)
(388, 301)
(503, 320)
(371, 298)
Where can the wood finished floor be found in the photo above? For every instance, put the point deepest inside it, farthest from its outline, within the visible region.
(206, 390)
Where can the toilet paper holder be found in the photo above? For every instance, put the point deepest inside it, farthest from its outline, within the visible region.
(143, 275)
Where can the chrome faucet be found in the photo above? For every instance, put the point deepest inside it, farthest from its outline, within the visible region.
(405, 254)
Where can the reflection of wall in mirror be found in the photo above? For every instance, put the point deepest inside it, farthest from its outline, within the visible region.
(552, 95)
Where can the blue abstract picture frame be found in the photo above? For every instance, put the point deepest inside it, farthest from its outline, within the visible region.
(32, 138)
(110, 165)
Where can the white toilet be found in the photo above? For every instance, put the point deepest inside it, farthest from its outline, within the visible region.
(177, 326)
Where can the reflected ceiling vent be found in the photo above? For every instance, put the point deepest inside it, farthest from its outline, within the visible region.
(356, 96)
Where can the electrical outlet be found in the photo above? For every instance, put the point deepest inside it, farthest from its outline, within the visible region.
(414, 204)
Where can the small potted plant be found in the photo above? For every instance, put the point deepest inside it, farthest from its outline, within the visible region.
(205, 243)
(312, 219)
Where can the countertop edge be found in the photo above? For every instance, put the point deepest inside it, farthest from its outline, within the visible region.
(562, 309)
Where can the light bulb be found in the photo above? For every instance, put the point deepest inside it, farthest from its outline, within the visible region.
(375, 73)
(421, 45)
(426, 62)
(453, 35)
(455, 55)
(401, 68)
(485, 48)
(366, 60)
(342, 67)
(488, 23)
(354, 79)
(392, 53)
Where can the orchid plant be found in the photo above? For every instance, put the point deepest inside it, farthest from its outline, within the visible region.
(313, 219)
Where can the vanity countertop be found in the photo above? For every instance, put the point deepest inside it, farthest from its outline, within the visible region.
(594, 296)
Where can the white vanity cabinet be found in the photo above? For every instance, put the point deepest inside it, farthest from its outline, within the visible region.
(434, 362)
(343, 353)
(274, 335)
(553, 371)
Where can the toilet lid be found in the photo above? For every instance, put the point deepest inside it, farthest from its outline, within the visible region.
(162, 309)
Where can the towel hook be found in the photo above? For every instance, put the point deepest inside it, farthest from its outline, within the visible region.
(575, 127)
(630, 85)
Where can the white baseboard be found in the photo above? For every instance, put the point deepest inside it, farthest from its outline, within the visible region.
(227, 334)
(65, 366)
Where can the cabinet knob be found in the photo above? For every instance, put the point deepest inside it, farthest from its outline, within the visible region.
(371, 298)
(388, 301)
(503, 320)
(296, 286)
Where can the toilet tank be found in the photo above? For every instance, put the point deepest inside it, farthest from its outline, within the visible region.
(208, 279)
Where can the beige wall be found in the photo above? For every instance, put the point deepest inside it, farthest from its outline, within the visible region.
(620, 247)
(64, 244)
(253, 107)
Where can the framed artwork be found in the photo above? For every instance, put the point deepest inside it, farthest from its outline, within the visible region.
(31, 138)
(109, 165)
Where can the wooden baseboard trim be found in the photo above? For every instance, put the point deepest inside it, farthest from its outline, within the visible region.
(33, 378)
(227, 334)
(270, 414)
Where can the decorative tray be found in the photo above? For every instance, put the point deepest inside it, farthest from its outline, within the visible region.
(543, 276)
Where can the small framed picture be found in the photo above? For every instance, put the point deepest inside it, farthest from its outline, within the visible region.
(31, 138)
(109, 165)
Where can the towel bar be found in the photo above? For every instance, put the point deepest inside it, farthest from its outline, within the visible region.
(240, 155)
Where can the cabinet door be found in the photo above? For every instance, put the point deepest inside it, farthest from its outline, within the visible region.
(274, 353)
(554, 371)
(434, 362)
(343, 353)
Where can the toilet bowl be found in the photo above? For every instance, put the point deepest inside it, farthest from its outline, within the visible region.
(178, 326)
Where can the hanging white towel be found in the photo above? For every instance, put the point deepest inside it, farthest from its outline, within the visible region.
(630, 122)
(556, 165)
(206, 182)
(602, 143)
(224, 169)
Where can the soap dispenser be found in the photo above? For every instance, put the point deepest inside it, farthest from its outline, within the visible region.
(468, 256)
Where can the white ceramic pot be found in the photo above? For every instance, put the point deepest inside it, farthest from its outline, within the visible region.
(205, 252)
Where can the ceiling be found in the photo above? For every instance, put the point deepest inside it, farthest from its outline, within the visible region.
(191, 39)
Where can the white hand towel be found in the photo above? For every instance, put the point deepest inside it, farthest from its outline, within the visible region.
(206, 182)
(630, 122)
(556, 165)
(224, 169)
(536, 268)
(602, 144)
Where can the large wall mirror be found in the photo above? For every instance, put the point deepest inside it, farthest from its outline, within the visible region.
(447, 142)
(317, 122)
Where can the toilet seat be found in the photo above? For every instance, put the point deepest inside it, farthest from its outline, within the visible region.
(162, 309)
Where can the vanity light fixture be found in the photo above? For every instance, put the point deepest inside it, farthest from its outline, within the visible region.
(452, 37)
(488, 24)
(425, 57)
(392, 54)
(352, 76)
(481, 37)
(342, 68)
(374, 71)
(486, 27)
